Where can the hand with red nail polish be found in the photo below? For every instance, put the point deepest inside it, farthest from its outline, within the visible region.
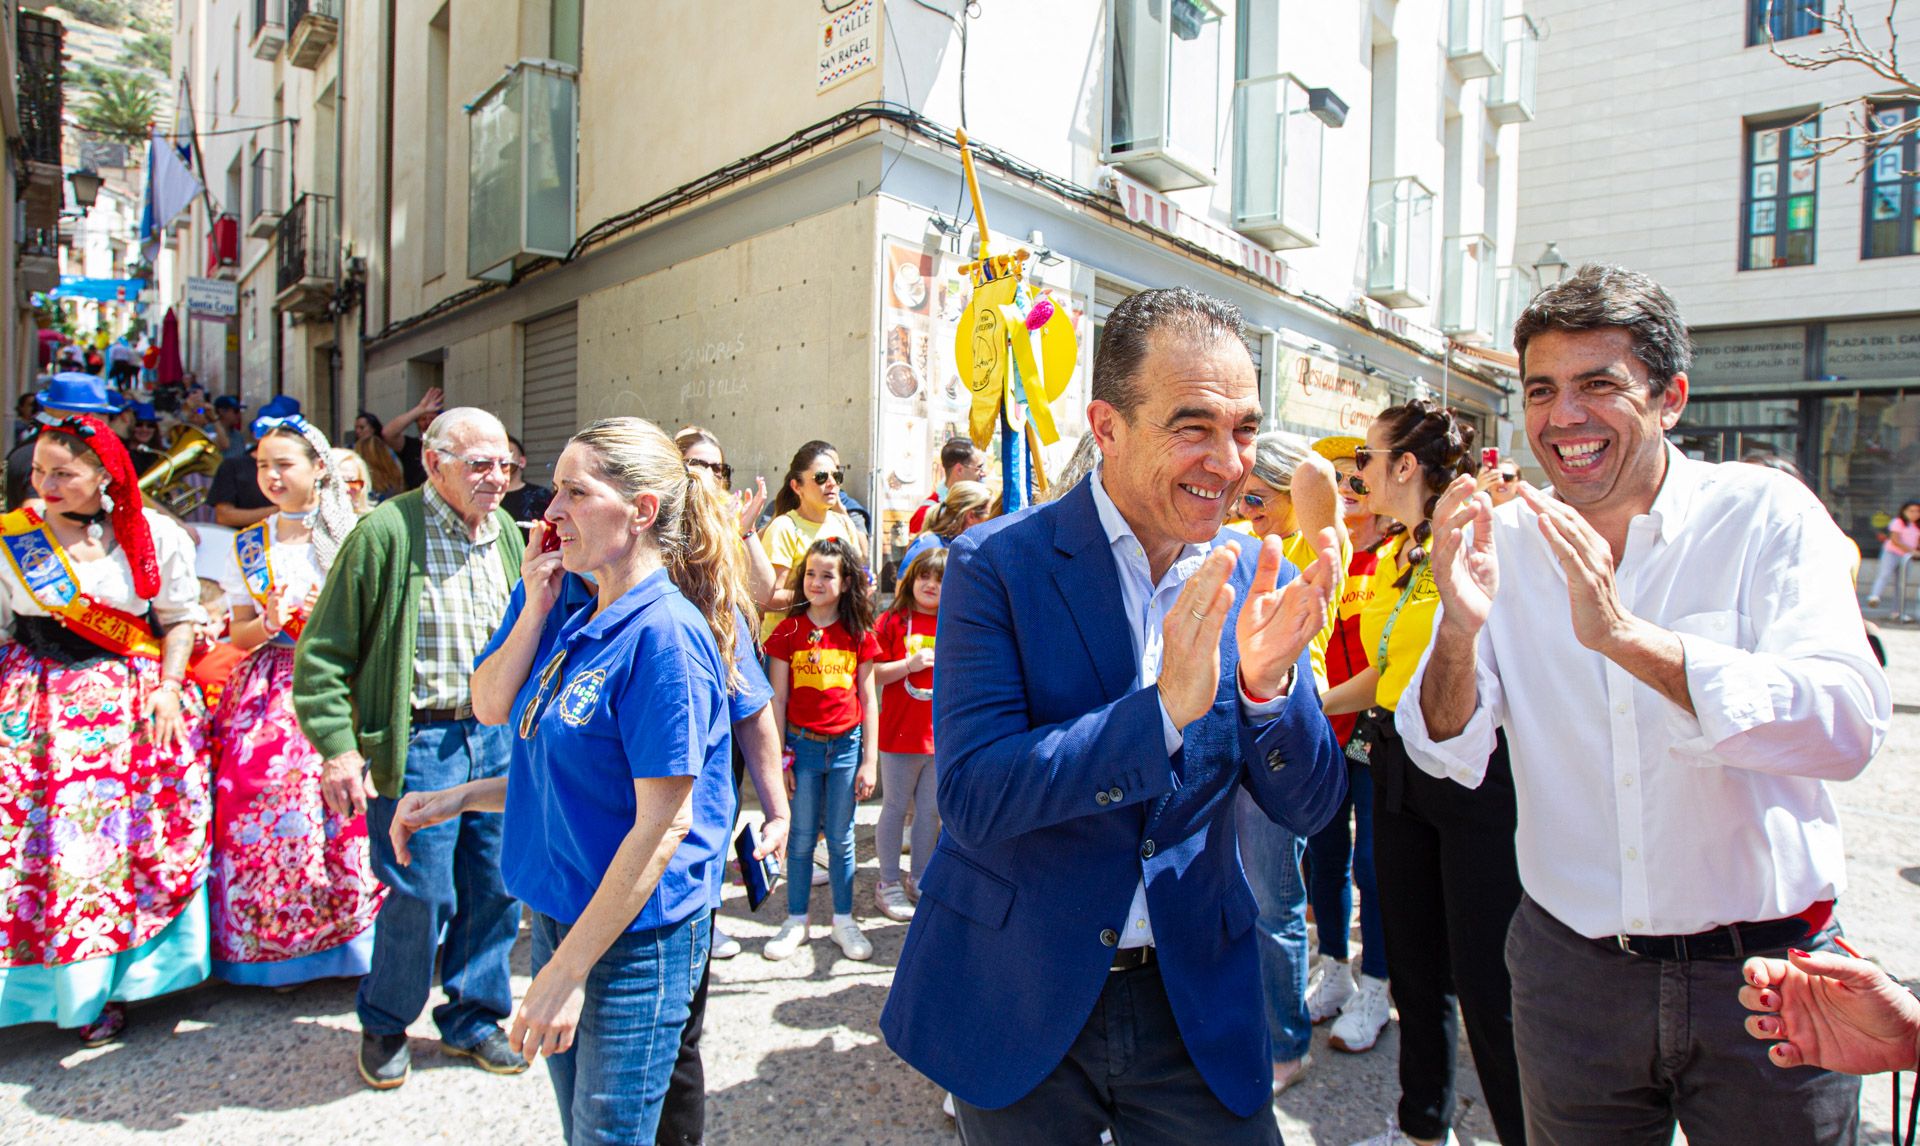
(1830, 1011)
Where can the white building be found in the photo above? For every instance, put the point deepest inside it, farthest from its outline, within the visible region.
(261, 80)
(1669, 139)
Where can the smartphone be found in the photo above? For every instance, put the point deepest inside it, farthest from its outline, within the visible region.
(759, 876)
(1490, 457)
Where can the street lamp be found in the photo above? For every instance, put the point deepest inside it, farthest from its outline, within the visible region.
(1550, 260)
(86, 186)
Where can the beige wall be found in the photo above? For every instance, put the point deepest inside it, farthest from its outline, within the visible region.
(768, 343)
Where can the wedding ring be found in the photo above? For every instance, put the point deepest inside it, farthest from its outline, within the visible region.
(1197, 614)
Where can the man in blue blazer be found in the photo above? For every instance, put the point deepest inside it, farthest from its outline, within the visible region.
(1113, 667)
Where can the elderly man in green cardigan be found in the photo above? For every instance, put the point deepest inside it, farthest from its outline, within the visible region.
(381, 689)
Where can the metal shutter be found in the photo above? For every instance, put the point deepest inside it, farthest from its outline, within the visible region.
(550, 390)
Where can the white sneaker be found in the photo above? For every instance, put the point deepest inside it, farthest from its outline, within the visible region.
(790, 938)
(1873, 602)
(1394, 1137)
(820, 877)
(1285, 1074)
(912, 883)
(724, 946)
(1361, 1020)
(946, 1105)
(891, 899)
(853, 944)
(1331, 988)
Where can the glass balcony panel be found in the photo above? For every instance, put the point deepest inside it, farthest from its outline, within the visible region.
(1473, 37)
(1163, 100)
(1400, 242)
(1510, 94)
(1278, 149)
(523, 142)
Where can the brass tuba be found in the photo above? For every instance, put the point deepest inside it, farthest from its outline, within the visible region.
(191, 453)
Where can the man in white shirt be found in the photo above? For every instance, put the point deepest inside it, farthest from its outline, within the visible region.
(1676, 654)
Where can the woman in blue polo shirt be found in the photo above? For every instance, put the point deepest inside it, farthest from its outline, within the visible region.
(619, 794)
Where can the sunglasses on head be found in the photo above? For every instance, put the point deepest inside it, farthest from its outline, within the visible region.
(821, 477)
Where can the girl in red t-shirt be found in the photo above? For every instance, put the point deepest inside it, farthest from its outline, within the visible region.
(905, 674)
(820, 661)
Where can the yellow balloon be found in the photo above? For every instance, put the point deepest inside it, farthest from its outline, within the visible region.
(1058, 349)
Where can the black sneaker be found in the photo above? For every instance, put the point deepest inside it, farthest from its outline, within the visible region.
(491, 1054)
(385, 1060)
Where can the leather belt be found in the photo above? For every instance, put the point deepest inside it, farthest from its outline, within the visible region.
(442, 715)
(794, 730)
(1734, 941)
(1133, 958)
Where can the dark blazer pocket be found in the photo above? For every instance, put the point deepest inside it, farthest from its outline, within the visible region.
(1238, 909)
(964, 886)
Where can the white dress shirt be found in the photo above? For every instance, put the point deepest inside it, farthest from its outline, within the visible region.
(1637, 818)
(1146, 605)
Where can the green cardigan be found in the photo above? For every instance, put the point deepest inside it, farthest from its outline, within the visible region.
(353, 665)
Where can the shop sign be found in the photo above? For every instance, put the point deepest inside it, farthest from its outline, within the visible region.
(1319, 395)
(212, 298)
(1882, 348)
(849, 43)
(1728, 359)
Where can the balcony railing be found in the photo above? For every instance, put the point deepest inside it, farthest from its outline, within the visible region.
(1469, 298)
(1279, 145)
(1473, 37)
(1510, 94)
(1400, 242)
(269, 28)
(522, 158)
(1515, 288)
(312, 27)
(304, 257)
(264, 194)
(41, 80)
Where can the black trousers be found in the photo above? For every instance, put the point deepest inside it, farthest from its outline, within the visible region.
(1129, 1072)
(1449, 885)
(683, 1113)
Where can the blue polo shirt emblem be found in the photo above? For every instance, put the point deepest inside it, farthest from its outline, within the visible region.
(577, 701)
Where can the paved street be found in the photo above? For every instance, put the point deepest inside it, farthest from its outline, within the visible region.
(793, 1051)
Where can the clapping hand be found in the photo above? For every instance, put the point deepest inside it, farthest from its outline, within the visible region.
(748, 504)
(1190, 665)
(1276, 625)
(1587, 559)
(1466, 575)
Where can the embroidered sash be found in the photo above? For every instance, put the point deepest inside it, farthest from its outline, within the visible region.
(41, 565)
(250, 548)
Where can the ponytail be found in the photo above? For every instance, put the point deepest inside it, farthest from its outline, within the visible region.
(1442, 443)
(709, 566)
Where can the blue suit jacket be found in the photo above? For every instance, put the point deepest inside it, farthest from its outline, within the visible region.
(1056, 792)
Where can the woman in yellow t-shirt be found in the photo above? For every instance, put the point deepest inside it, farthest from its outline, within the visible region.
(1289, 495)
(807, 509)
(1444, 854)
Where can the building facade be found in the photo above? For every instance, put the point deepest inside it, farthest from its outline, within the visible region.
(752, 219)
(1693, 155)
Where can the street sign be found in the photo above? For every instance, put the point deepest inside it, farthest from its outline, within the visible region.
(213, 298)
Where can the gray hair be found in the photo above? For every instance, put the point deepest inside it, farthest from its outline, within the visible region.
(447, 426)
(1128, 336)
(1276, 454)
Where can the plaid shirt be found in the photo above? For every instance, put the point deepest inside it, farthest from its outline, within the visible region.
(461, 604)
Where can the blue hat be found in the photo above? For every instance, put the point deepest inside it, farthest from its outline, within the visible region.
(76, 392)
(228, 402)
(144, 412)
(279, 409)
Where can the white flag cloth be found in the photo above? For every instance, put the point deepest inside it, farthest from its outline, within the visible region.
(171, 188)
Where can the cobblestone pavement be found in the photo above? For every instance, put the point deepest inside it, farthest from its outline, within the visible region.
(793, 1050)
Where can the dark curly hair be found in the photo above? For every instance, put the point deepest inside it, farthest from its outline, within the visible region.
(856, 602)
(1442, 442)
(1599, 296)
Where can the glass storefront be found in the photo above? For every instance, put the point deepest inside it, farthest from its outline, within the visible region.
(1860, 451)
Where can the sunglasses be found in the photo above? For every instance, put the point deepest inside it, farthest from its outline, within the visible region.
(1505, 476)
(721, 470)
(1363, 456)
(1353, 482)
(1253, 501)
(822, 477)
(548, 675)
(479, 467)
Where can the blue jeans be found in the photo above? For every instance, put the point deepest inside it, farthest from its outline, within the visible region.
(823, 774)
(450, 899)
(611, 1082)
(1333, 849)
(1271, 856)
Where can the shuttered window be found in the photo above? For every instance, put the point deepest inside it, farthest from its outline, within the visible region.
(550, 398)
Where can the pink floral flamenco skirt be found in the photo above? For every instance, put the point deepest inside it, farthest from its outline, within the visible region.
(292, 889)
(103, 839)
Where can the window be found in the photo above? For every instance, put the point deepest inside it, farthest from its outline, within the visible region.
(1777, 200)
(1163, 91)
(563, 31)
(1786, 19)
(1893, 188)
